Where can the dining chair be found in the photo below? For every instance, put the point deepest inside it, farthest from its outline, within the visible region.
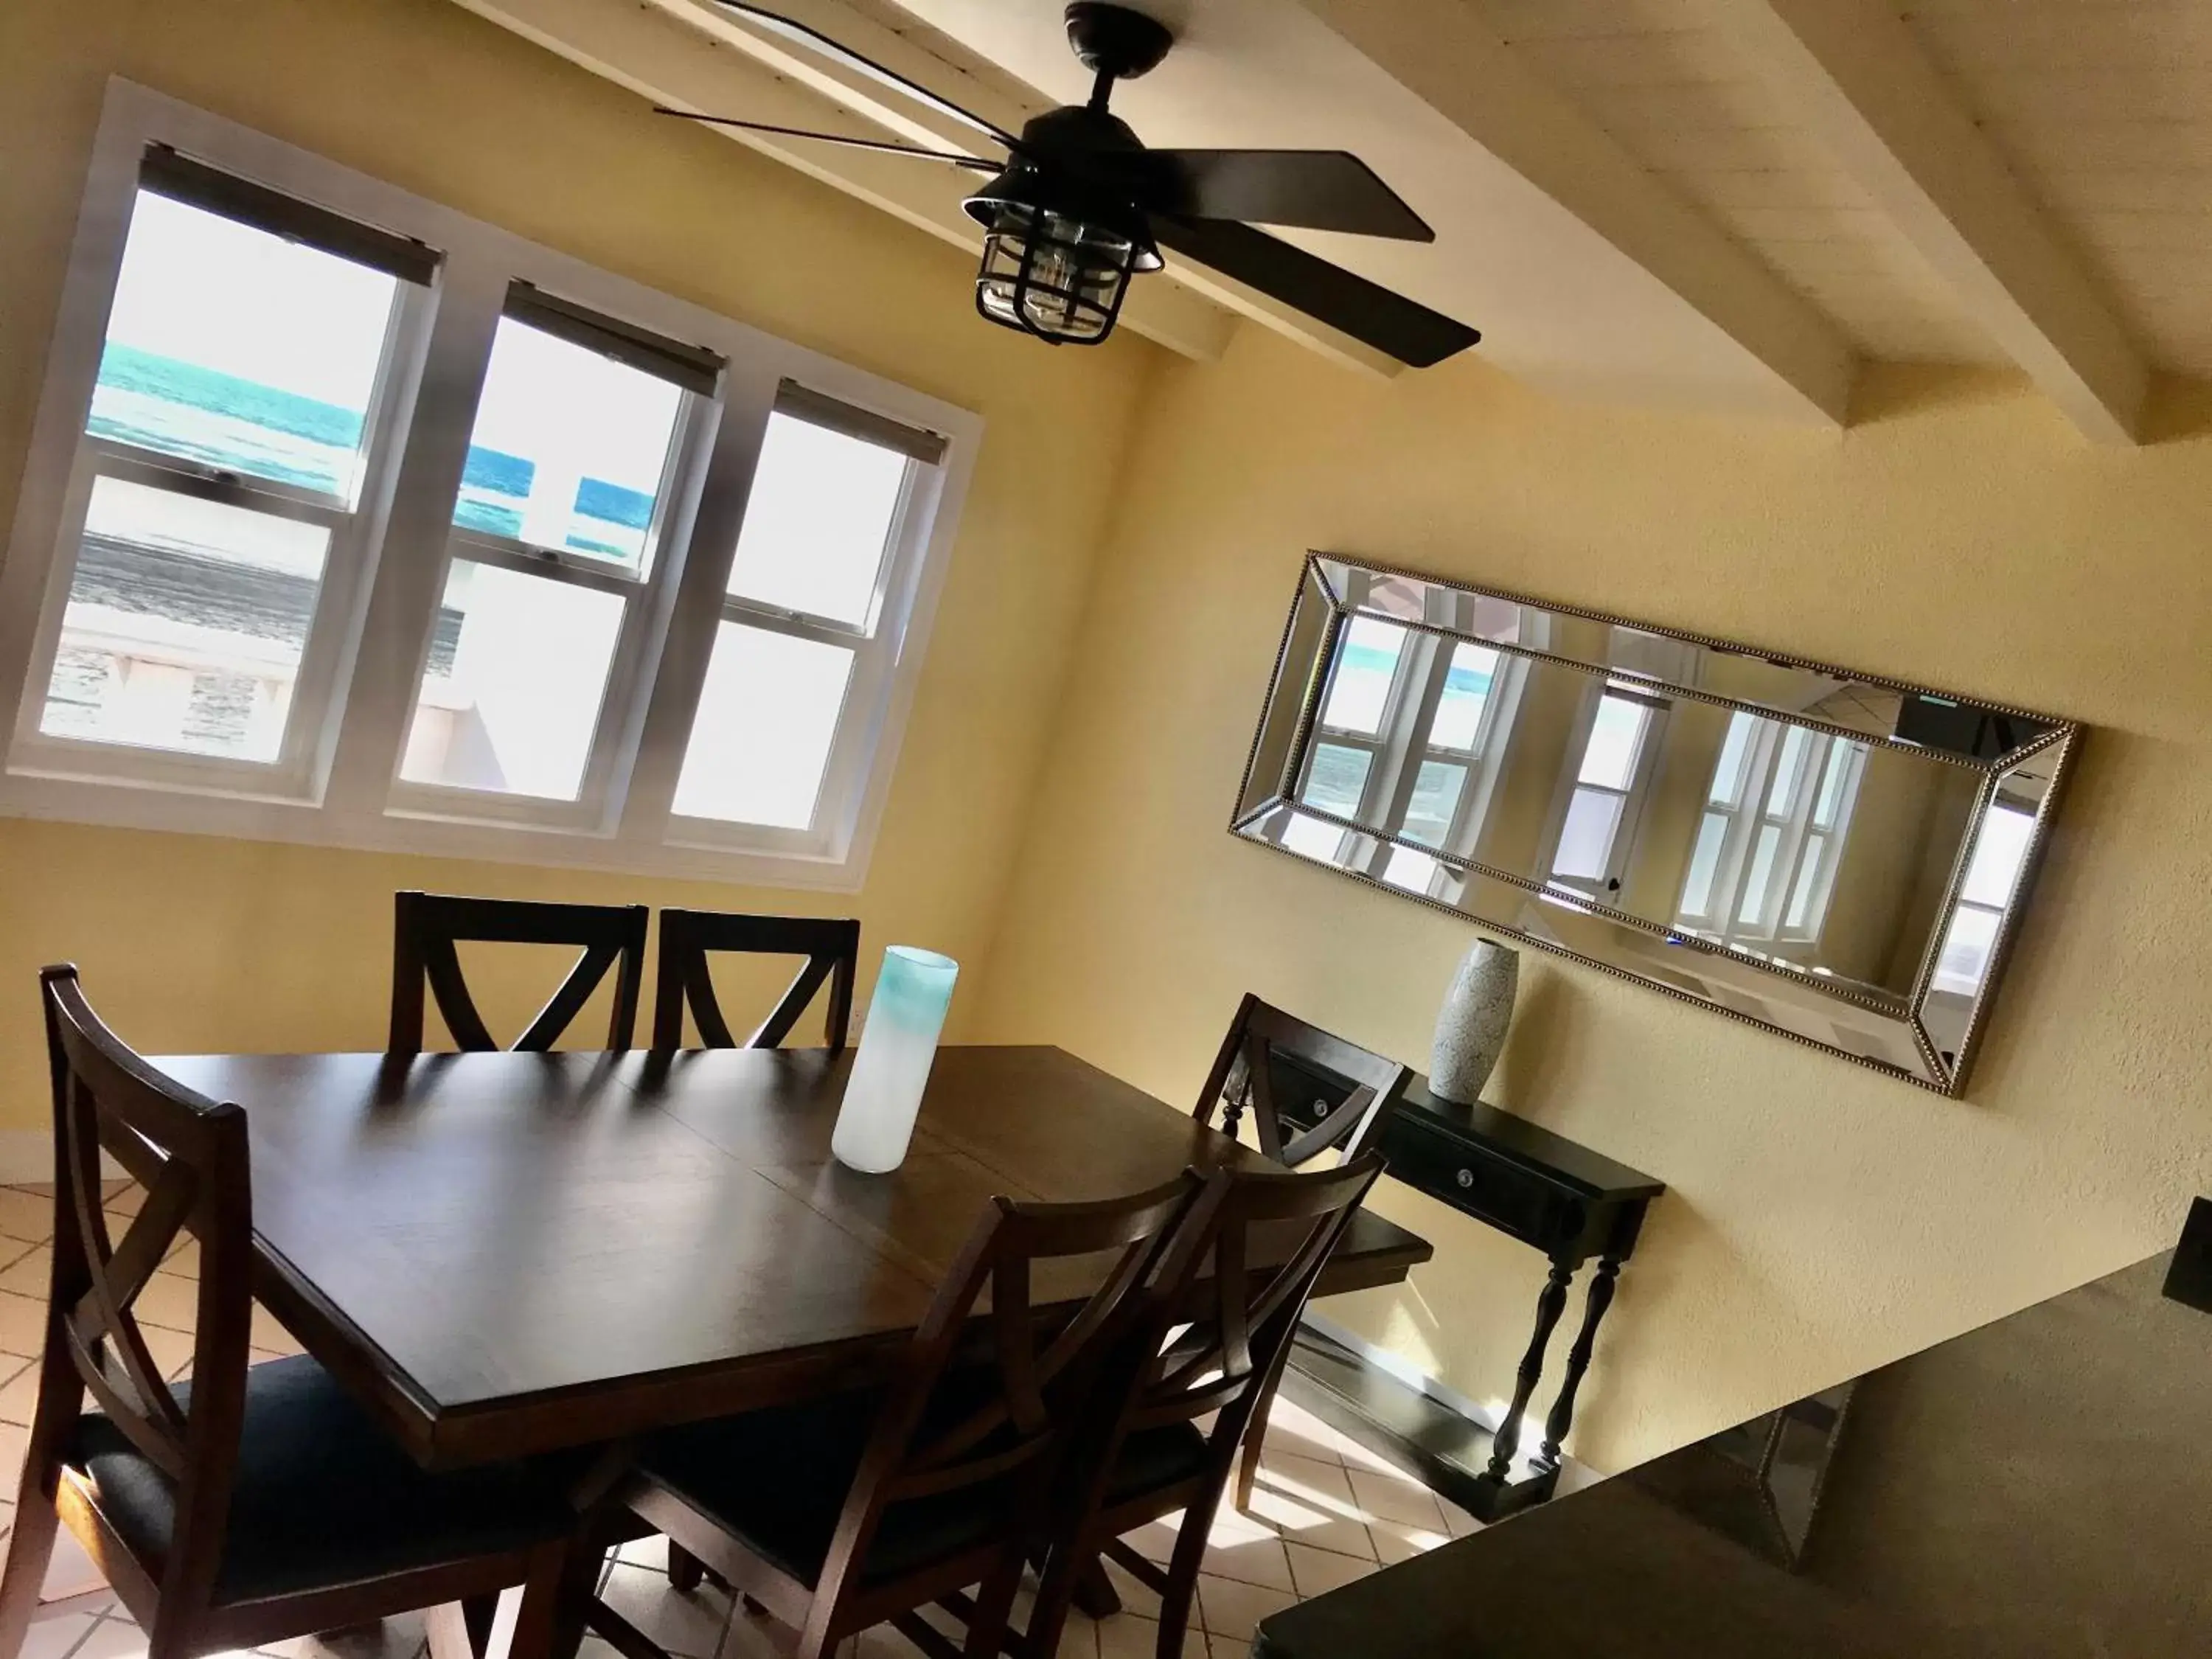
(253, 1504)
(1216, 1330)
(689, 938)
(1309, 1092)
(858, 1508)
(427, 926)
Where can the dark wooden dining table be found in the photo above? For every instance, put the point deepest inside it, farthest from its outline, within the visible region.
(509, 1254)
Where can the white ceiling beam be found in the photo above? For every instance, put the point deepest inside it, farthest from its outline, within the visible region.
(1442, 53)
(1852, 71)
(664, 58)
(983, 90)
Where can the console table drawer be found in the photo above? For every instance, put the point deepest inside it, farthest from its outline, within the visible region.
(1493, 1191)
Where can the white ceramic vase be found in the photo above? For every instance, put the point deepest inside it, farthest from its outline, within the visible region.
(898, 1045)
(1472, 1023)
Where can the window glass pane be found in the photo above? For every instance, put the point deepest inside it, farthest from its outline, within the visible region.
(1705, 860)
(1615, 736)
(1727, 772)
(511, 695)
(1467, 691)
(236, 349)
(1336, 777)
(766, 722)
(1437, 788)
(818, 522)
(1841, 756)
(1366, 663)
(185, 626)
(1762, 872)
(1787, 770)
(1586, 838)
(569, 447)
(1999, 851)
(1800, 914)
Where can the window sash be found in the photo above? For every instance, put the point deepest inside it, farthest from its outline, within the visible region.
(378, 607)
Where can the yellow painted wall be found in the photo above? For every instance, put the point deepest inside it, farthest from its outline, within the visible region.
(195, 943)
(1822, 1217)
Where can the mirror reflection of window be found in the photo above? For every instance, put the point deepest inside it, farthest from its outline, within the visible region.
(1615, 775)
(1992, 874)
(1408, 733)
(1771, 837)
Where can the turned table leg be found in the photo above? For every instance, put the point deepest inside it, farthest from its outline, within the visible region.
(1549, 1306)
(1562, 1417)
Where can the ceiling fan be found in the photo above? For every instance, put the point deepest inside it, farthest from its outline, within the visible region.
(1080, 205)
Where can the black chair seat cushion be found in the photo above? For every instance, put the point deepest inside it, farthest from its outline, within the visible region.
(1152, 1459)
(322, 1496)
(777, 1480)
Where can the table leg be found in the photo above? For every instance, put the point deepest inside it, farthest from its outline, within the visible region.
(1562, 1416)
(1549, 1306)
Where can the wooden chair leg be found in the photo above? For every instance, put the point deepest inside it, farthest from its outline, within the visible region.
(987, 1627)
(556, 1597)
(30, 1547)
(479, 1613)
(1255, 1430)
(685, 1570)
(1058, 1581)
(1182, 1580)
(451, 1636)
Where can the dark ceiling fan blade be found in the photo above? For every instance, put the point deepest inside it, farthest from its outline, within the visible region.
(1389, 322)
(1318, 189)
(790, 29)
(958, 160)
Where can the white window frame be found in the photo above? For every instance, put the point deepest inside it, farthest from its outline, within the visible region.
(338, 782)
(1605, 888)
(1750, 812)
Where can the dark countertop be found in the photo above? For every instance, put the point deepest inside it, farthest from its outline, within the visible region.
(2038, 1488)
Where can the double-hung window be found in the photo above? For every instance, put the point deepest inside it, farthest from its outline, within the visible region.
(1605, 801)
(349, 518)
(1771, 834)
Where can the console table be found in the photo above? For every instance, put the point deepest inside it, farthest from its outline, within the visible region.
(1550, 1193)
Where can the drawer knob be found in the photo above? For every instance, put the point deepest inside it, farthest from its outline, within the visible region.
(1321, 1109)
(1466, 1178)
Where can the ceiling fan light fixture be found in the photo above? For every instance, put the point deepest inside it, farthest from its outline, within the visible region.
(1053, 266)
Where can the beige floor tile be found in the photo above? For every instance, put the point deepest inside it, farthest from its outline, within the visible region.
(19, 1395)
(13, 1250)
(114, 1637)
(1252, 1560)
(1310, 1480)
(271, 1336)
(25, 1215)
(1225, 1648)
(1395, 1541)
(1316, 1572)
(1126, 1636)
(70, 1571)
(1312, 1523)
(184, 1257)
(169, 1300)
(50, 1638)
(399, 1637)
(129, 1200)
(1156, 1540)
(14, 1441)
(1292, 1428)
(30, 1273)
(1235, 1610)
(1394, 1498)
(689, 1626)
(1136, 1598)
(22, 1324)
(172, 1350)
(646, 1552)
(1457, 1520)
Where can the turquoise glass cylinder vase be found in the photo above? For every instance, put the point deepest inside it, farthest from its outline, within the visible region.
(898, 1045)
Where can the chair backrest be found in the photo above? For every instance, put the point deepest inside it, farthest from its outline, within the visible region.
(831, 947)
(1265, 1050)
(1231, 1323)
(426, 926)
(190, 1153)
(943, 1429)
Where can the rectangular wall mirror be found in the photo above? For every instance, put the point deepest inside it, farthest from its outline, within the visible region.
(1840, 858)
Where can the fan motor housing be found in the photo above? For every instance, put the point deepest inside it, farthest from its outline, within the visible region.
(1116, 41)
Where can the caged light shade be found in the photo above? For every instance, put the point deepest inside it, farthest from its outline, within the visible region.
(1055, 265)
